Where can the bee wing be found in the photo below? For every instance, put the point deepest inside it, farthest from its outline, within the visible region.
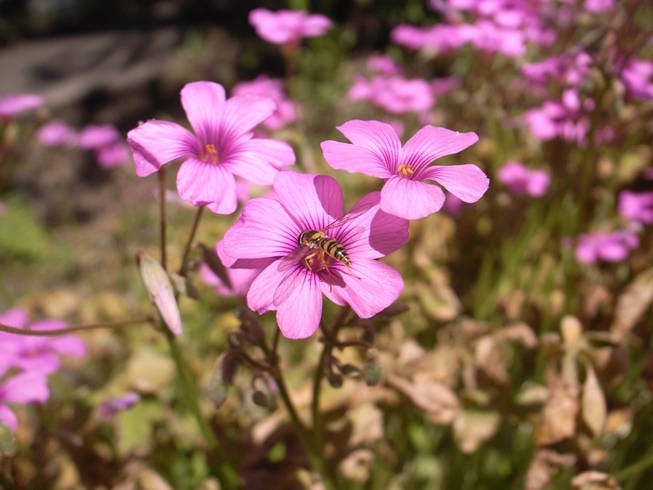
(349, 216)
(292, 258)
(287, 286)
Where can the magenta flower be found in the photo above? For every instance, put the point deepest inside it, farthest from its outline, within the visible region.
(29, 387)
(608, 247)
(113, 155)
(11, 105)
(221, 147)
(111, 407)
(272, 88)
(35, 354)
(293, 278)
(377, 151)
(636, 206)
(96, 136)
(287, 26)
(56, 133)
(521, 180)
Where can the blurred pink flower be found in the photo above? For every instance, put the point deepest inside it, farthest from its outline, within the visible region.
(520, 180)
(636, 206)
(287, 26)
(396, 95)
(113, 155)
(222, 146)
(57, 133)
(272, 88)
(111, 407)
(11, 105)
(376, 151)
(599, 6)
(637, 77)
(292, 283)
(608, 247)
(28, 387)
(31, 353)
(241, 279)
(384, 64)
(96, 136)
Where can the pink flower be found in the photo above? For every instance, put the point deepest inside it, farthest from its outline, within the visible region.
(272, 88)
(608, 247)
(111, 407)
(56, 133)
(384, 64)
(287, 26)
(377, 151)
(22, 388)
(637, 77)
(521, 180)
(221, 147)
(294, 278)
(113, 155)
(96, 136)
(399, 95)
(636, 206)
(35, 354)
(11, 105)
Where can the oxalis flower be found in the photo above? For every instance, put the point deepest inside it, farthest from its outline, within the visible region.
(294, 278)
(376, 150)
(222, 146)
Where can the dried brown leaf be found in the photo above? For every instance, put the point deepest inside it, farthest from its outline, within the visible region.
(594, 410)
(594, 480)
(545, 466)
(492, 359)
(356, 466)
(436, 399)
(633, 302)
(558, 421)
(472, 427)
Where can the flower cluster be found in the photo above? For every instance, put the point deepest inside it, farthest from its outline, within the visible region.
(521, 180)
(13, 104)
(27, 361)
(287, 26)
(272, 88)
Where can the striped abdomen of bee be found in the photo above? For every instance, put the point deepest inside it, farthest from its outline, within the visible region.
(315, 239)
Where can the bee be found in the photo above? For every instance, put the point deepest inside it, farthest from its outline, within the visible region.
(316, 251)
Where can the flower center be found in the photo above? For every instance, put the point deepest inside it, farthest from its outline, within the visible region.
(405, 169)
(317, 260)
(211, 153)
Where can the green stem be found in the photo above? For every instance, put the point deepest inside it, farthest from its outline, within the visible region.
(189, 243)
(225, 474)
(162, 215)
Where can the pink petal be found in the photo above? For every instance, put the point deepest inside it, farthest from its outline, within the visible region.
(156, 143)
(467, 182)
(15, 317)
(8, 418)
(69, 345)
(315, 25)
(352, 158)
(299, 316)
(242, 113)
(264, 230)
(312, 200)
(204, 103)
(25, 388)
(259, 160)
(410, 199)
(207, 184)
(431, 143)
(260, 297)
(383, 233)
(378, 287)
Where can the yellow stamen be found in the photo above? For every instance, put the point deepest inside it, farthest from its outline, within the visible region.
(211, 153)
(405, 169)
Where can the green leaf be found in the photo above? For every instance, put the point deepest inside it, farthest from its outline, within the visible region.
(7, 441)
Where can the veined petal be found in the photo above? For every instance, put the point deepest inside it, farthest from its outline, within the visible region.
(204, 103)
(378, 287)
(260, 297)
(207, 184)
(313, 200)
(382, 234)
(299, 316)
(242, 113)
(156, 143)
(259, 160)
(379, 137)
(352, 158)
(410, 199)
(467, 182)
(431, 143)
(264, 230)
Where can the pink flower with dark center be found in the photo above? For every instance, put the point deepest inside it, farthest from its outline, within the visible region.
(521, 180)
(28, 387)
(636, 206)
(272, 88)
(11, 105)
(31, 353)
(56, 133)
(222, 146)
(294, 277)
(287, 26)
(376, 151)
